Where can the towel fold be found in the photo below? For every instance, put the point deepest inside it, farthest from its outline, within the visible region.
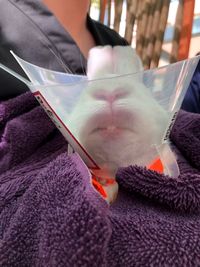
(24, 127)
(183, 193)
(186, 136)
(60, 220)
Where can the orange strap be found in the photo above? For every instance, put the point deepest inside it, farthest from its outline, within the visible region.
(156, 166)
(99, 188)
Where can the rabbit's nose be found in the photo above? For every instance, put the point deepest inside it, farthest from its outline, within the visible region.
(110, 97)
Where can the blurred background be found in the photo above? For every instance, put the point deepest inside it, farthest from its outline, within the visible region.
(162, 31)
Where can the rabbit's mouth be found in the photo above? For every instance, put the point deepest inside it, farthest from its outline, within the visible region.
(109, 124)
(110, 131)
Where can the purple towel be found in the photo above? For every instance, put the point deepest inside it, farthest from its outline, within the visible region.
(50, 215)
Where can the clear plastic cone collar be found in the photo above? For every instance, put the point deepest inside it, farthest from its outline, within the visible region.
(118, 115)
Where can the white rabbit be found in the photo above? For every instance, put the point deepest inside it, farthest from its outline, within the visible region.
(116, 118)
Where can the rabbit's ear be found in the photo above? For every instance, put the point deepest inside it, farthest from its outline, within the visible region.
(126, 60)
(100, 62)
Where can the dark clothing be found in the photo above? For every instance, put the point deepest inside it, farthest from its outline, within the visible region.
(33, 33)
(191, 101)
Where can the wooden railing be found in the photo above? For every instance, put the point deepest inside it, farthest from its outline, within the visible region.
(149, 17)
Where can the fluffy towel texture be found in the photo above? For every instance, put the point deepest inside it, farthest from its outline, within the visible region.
(50, 215)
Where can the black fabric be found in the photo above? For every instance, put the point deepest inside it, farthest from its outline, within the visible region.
(33, 33)
(104, 35)
(191, 101)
